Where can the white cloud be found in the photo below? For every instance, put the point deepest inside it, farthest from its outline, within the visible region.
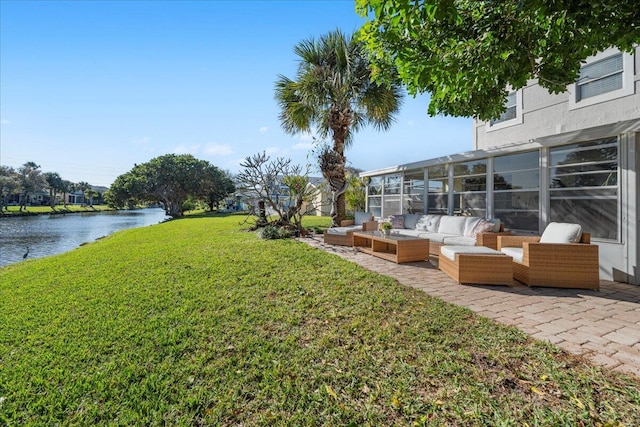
(263, 129)
(272, 150)
(218, 149)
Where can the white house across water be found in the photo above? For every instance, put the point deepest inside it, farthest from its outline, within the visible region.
(570, 157)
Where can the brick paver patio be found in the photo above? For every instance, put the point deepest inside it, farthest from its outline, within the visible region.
(603, 326)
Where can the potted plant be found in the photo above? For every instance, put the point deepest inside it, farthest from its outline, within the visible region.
(386, 227)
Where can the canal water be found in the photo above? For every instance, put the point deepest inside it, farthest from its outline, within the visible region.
(46, 235)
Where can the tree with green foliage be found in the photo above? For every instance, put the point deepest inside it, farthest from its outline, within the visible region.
(334, 94)
(65, 188)
(83, 187)
(54, 185)
(216, 186)
(9, 184)
(31, 180)
(467, 53)
(170, 180)
(356, 194)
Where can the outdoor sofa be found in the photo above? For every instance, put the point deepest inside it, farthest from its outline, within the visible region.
(449, 230)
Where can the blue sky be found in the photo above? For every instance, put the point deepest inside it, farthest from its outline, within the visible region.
(90, 88)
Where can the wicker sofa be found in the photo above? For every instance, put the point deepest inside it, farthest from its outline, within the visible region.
(449, 230)
(563, 257)
(343, 235)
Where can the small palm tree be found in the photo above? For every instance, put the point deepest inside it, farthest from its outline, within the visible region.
(334, 92)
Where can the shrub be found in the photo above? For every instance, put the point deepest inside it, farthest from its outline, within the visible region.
(271, 232)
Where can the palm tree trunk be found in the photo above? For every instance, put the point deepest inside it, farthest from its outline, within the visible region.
(340, 121)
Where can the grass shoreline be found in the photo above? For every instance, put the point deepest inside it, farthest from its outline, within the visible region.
(13, 211)
(197, 322)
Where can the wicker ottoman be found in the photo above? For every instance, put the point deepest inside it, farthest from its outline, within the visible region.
(476, 264)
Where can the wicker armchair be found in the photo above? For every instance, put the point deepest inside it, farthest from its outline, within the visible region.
(556, 265)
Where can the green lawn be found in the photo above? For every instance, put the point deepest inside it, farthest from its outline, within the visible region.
(31, 210)
(197, 322)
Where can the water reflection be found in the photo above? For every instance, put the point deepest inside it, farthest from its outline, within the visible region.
(46, 235)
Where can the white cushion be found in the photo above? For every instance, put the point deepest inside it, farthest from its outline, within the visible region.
(428, 223)
(452, 225)
(362, 217)
(410, 220)
(451, 251)
(435, 237)
(460, 241)
(470, 224)
(561, 232)
(515, 253)
(407, 232)
(342, 231)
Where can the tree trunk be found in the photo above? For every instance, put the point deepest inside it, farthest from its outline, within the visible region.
(340, 121)
(262, 214)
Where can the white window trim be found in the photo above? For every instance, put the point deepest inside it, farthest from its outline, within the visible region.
(628, 85)
(517, 120)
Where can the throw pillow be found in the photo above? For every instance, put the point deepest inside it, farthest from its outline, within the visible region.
(362, 217)
(483, 226)
(561, 232)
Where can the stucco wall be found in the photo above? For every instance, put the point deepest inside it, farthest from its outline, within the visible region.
(544, 114)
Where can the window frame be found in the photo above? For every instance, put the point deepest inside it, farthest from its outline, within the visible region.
(628, 86)
(517, 120)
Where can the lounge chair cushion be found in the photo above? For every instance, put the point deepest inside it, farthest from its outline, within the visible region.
(515, 253)
(342, 231)
(362, 217)
(451, 251)
(561, 232)
(460, 241)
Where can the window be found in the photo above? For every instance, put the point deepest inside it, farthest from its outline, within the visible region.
(512, 115)
(606, 76)
(391, 194)
(583, 185)
(516, 184)
(374, 193)
(413, 192)
(600, 77)
(470, 188)
(438, 190)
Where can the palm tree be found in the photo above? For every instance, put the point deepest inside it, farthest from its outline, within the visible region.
(334, 92)
(54, 184)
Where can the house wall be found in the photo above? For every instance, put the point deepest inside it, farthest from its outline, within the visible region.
(545, 114)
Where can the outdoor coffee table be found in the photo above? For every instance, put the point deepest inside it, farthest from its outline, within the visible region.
(394, 247)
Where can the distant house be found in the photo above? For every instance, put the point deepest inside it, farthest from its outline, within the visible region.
(570, 157)
(320, 204)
